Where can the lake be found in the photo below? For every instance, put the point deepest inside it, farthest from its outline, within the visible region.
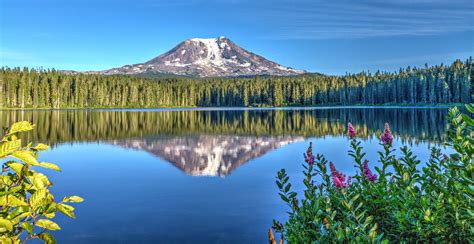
(200, 176)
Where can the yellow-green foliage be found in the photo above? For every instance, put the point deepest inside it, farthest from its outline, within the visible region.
(26, 204)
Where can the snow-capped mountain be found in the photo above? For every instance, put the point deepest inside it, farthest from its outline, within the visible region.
(207, 57)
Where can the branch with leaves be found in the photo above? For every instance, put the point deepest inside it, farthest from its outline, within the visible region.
(27, 206)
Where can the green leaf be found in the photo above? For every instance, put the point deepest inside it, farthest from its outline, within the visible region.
(73, 199)
(13, 201)
(50, 215)
(38, 198)
(17, 167)
(28, 227)
(66, 209)
(9, 147)
(5, 225)
(406, 176)
(468, 119)
(288, 187)
(470, 108)
(41, 147)
(340, 234)
(21, 127)
(47, 224)
(347, 205)
(39, 180)
(49, 166)
(47, 238)
(8, 240)
(17, 218)
(284, 198)
(25, 156)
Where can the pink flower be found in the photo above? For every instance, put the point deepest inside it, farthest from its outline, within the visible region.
(350, 131)
(337, 182)
(387, 137)
(308, 156)
(339, 178)
(332, 167)
(368, 173)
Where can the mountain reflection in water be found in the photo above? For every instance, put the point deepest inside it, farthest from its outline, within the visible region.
(208, 155)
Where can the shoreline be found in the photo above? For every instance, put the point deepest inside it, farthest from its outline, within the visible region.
(164, 109)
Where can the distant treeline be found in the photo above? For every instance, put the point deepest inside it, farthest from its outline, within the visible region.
(60, 126)
(32, 88)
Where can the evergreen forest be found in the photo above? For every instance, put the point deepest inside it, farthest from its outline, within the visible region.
(39, 88)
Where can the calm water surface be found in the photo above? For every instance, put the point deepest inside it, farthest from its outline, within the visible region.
(157, 176)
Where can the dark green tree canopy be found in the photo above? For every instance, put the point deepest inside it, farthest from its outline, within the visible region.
(37, 88)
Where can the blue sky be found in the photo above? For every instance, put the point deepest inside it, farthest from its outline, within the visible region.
(333, 37)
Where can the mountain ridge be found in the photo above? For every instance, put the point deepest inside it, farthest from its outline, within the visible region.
(211, 57)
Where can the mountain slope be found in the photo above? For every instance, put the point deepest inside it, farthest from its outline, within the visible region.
(207, 57)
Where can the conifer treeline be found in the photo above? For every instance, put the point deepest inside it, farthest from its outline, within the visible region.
(31, 88)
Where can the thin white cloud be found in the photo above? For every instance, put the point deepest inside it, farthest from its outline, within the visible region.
(361, 19)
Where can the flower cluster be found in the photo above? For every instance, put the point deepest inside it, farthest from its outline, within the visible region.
(387, 137)
(368, 173)
(308, 156)
(350, 131)
(339, 178)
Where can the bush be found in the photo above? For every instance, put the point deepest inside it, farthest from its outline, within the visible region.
(395, 203)
(26, 204)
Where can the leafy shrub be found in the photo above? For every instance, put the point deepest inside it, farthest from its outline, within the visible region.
(26, 204)
(395, 203)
